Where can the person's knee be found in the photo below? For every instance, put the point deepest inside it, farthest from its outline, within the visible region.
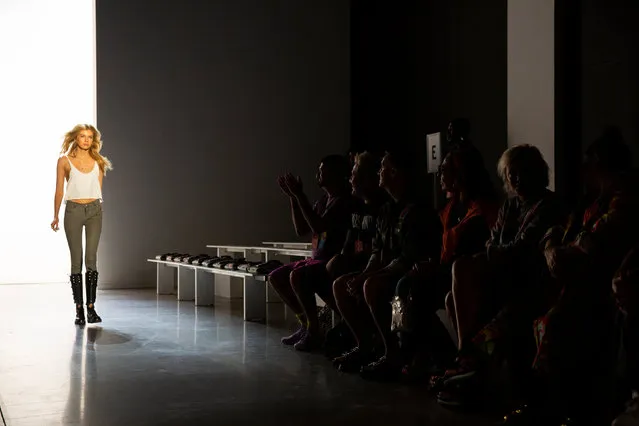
(449, 301)
(91, 261)
(296, 279)
(460, 267)
(279, 278)
(404, 286)
(372, 288)
(335, 266)
(340, 287)
(462, 272)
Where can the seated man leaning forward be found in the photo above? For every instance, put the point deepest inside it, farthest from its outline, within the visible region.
(370, 199)
(328, 220)
(407, 232)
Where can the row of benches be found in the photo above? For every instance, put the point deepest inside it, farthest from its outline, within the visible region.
(201, 284)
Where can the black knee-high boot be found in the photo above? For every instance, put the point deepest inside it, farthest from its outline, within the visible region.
(76, 288)
(91, 289)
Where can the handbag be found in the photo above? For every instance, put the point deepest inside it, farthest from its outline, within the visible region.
(402, 319)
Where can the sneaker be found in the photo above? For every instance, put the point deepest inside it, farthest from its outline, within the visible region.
(631, 416)
(295, 337)
(308, 343)
(353, 360)
(459, 374)
(338, 341)
(464, 370)
(449, 398)
(526, 415)
(381, 370)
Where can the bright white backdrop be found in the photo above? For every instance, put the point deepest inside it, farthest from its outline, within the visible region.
(47, 85)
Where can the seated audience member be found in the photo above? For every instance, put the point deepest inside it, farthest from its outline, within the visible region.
(328, 220)
(466, 219)
(358, 246)
(359, 239)
(407, 232)
(575, 347)
(625, 287)
(506, 283)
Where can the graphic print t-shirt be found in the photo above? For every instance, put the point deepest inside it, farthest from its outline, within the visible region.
(361, 234)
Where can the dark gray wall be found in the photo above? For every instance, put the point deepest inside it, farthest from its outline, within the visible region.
(470, 65)
(201, 105)
(610, 74)
(417, 64)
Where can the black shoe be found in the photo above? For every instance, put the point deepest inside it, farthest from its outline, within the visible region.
(79, 315)
(381, 370)
(76, 289)
(92, 316)
(353, 360)
(338, 341)
(91, 286)
(449, 398)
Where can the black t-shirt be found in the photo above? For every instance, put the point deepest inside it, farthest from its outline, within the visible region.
(407, 233)
(363, 228)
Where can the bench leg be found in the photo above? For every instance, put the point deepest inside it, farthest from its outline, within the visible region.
(186, 284)
(204, 288)
(165, 278)
(271, 294)
(254, 300)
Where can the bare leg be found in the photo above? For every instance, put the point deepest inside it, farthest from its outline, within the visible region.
(305, 295)
(356, 315)
(281, 282)
(376, 294)
(450, 309)
(468, 274)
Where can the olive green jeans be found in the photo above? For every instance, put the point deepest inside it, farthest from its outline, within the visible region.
(76, 218)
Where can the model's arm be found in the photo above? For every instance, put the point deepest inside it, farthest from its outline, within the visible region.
(101, 178)
(59, 189)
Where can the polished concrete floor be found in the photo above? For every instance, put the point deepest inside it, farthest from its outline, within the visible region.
(156, 361)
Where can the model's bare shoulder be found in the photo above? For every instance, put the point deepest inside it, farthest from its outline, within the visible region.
(63, 163)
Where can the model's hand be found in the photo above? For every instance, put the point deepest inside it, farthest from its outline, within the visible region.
(294, 185)
(54, 224)
(281, 181)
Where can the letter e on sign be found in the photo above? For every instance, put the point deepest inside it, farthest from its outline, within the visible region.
(434, 151)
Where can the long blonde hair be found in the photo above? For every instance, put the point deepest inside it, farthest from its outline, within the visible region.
(69, 146)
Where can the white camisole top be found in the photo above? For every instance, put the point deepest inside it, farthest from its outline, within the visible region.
(83, 185)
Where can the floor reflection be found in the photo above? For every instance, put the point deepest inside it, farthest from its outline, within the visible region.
(155, 362)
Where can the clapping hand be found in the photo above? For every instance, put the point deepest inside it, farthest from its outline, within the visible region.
(281, 181)
(294, 184)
